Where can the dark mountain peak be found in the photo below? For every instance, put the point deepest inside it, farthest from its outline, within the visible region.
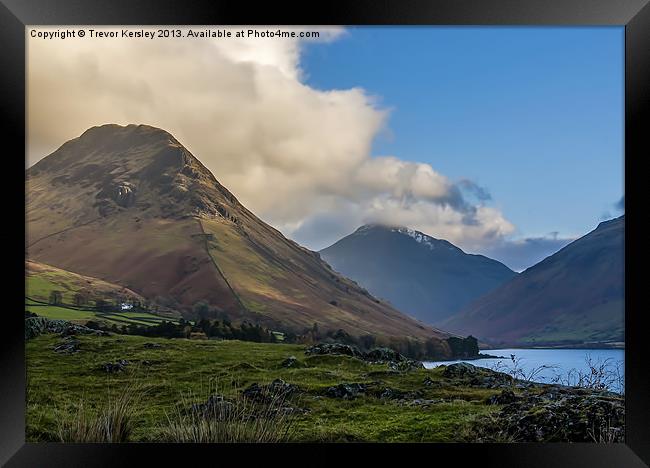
(104, 145)
(134, 167)
(427, 277)
(140, 131)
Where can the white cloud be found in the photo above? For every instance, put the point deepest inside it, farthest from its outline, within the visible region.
(297, 156)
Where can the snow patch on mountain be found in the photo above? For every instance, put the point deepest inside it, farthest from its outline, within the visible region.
(423, 239)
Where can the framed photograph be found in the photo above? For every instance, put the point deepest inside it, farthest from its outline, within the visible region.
(365, 228)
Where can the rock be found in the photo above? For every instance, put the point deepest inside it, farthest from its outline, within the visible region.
(395, 360)
(278, 389)
(289, 362)
(122, 193)
(345, 390)
(384, 354)
(69, 345)
(152, 345)
(428, 382)
(504, 398)
(334, 348)
(497, 380)
(422, 402)
(405, 365)
(568, 415)
(35, 326)
(114, 367)
(460, 370)
(216, 407)
(391, 394)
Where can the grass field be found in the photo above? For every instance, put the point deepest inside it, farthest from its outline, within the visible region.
(82, 316)
(59, 382)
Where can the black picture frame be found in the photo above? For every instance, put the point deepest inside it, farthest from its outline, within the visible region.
(16, 14)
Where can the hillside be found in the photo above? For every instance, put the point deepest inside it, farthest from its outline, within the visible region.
(42, 279)
(428, 278)
(131, 206)
(574, 296)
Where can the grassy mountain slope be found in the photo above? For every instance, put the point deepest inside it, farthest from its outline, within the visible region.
(42, 279)
(573, 296)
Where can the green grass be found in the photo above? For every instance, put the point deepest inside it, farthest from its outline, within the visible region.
(58, 382)
(54, 312)
(82, 316)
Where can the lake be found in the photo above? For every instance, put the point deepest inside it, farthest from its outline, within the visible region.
(565, 366)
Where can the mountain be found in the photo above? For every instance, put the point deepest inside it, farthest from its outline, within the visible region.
(575, 296)
(431, 279)
(133, 207)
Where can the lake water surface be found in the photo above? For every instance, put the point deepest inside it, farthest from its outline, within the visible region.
(563, 365)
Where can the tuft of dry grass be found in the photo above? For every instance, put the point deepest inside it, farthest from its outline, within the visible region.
(215, 419)
(486, 429)
(111, 423)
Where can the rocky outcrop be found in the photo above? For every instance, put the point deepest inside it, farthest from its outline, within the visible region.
(479, 376)
(35, 326)
(334, 348)
(122, 193)
(395, 360)
(115, 367)
(346, 391)
(276, 390)
(560, 414)
(69, 345)
(291, 362)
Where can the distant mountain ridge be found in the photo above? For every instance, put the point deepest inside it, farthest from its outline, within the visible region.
(132, 206)
(575, 296)
(428, 278)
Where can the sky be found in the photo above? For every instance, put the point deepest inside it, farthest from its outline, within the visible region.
(506, 141)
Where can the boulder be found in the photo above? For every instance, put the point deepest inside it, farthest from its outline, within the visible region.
(334, 348)
(114, 367)
(384, 354)
(289, 362)
(278, 389)
(345, 390)
(69, 345)
(504, 398)
(460, 370)
(423, 402)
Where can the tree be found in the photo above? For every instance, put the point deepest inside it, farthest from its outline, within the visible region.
(463, 347)
(201, 309)
(315, 335)
(102, 305)
(56, 298)
(80, 299)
